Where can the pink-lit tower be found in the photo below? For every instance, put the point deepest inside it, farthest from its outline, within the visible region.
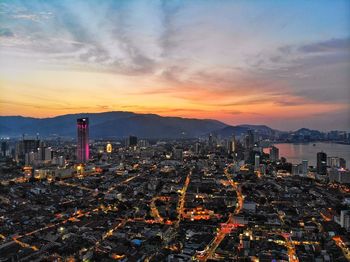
(83, 140)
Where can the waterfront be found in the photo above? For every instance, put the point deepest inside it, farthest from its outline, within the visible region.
(295, 153)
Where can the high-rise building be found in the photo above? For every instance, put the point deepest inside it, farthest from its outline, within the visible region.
(274, 153)
(197, 148)
(44, 153)
(342, 163)
(29, 158)
(61, 161)
(231, 145)
(26, 146)
(249, 139)
(83, 140)
(295, 170)
(131, 141)
(333, 161)
(257, 162)
(178, 153)
(210, 140)
(4, 147)
(304, 167)
(321, 163)
(345, 219)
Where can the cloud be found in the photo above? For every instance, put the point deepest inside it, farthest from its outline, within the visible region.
(331, 45)
(212, 56)
(5, 32)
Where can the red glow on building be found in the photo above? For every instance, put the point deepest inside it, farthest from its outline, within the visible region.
(82, 140)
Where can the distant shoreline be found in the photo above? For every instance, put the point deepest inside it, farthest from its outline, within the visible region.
(313, 142)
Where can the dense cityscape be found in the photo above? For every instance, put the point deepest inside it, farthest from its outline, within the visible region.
(174, 130)
(206, 199)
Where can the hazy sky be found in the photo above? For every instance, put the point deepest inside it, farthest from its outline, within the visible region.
(281, 63)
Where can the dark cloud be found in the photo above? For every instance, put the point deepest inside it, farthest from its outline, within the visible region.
(331, 45)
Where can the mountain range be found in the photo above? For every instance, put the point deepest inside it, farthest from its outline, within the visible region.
(120, 124)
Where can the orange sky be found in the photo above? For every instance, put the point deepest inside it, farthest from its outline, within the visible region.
(257, 62)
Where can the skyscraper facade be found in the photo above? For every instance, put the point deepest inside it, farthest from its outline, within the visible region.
(82, 140)
(321, 163)
(305, 166)
(131, 141)
(256, 162)
(274, 153)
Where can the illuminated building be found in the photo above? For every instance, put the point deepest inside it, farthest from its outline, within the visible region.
(257, 162)
(109, 148)
(83, 140)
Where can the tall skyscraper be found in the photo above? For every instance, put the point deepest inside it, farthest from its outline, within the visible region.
(305, 166)
(257, 162)
(83, 140)
(295, 170)
(274, 153)
(131, 141)
(4, 147)
(231, 145)
(321, 163)
(178, 153)
(249, 139)
(26, 146)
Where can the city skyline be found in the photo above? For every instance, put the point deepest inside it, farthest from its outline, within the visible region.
(281, 64)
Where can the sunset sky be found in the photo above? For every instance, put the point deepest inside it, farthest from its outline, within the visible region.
(285, 64)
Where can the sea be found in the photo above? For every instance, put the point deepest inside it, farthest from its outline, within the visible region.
(295, 153)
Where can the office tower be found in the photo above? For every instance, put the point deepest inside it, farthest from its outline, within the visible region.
(210, 140)
(44, 153)
(29, 158)
(231, 145)
(304, 166)
(82, 140)
(4, 148)
(61, 161)
(333, 161)
(321, 163)
(257, 162)
(249, 139)
(342, 163)
(197, 148)
(295, 170)
(345, 219)
(274, 153)
(26, 146)
(131, 141)
(143, 143)
(178, 153)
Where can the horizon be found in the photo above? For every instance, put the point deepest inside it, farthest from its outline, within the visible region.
(284, 65)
